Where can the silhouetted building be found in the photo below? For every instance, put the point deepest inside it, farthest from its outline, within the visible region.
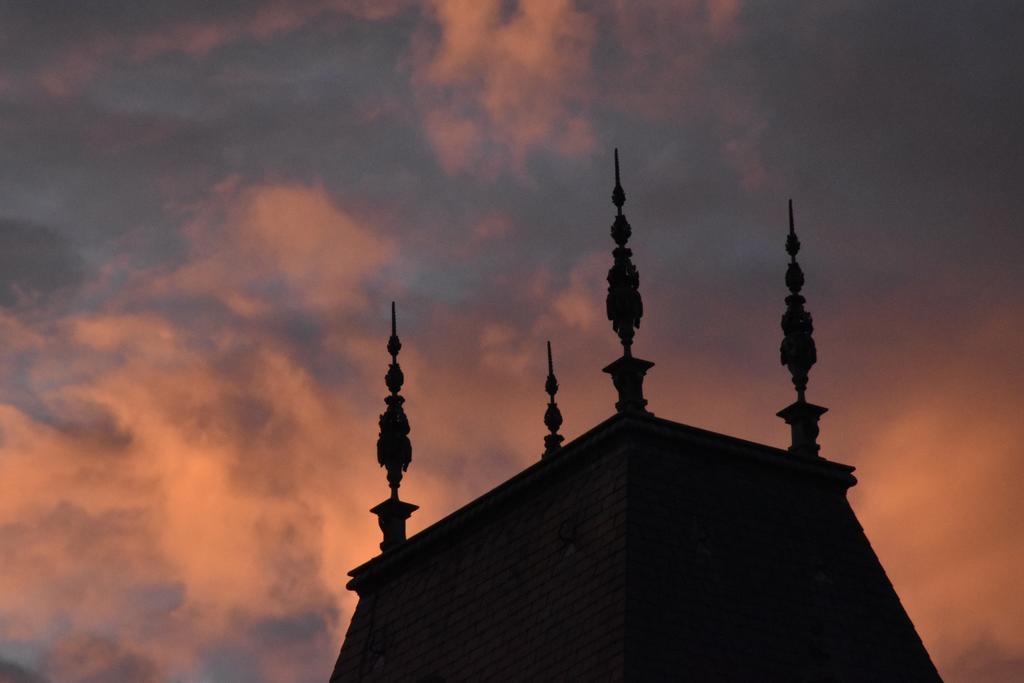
(643, 550)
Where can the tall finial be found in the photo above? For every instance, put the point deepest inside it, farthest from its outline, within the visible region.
(552, 416)
(798, 353)
(625, 308)
(624, 305)
(394, 450)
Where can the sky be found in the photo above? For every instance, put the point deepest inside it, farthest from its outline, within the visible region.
(206, 209)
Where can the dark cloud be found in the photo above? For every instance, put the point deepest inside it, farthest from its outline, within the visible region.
(159, 599)
(231, 664)
(92, 428)
(10, 672)
(282, 633)
(900, 115)
(35, 35)
(92, 659)
(986, 662)
(287, 647)
(35, 263)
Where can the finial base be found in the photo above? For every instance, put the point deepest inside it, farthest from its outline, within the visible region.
(391, 515)
(628, 376)
(802, 418)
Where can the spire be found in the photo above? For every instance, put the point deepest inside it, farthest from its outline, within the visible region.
(394, 450)
(625, 308)
(798, 353)
(552, 416)
(618, 194)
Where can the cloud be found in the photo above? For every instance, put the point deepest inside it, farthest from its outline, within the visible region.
(985, 662)
(11, 672)
(192, 489)
(940, 458)
(36, 262)
(281, 245)
(502, 83)
(167, 480)
(581, 304)
(189, 420)
(91, 659)
(198, 37)
(73, 47)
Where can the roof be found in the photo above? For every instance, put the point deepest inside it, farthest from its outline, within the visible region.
(641, 550)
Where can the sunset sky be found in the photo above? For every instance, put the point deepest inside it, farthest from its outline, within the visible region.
(206, 209)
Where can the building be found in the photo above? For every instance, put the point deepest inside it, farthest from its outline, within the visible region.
(643, 550)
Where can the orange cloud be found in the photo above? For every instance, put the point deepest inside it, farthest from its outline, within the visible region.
(178, 484)
(253, 246)
(501, 84)
(503, 81)
(494, 82)
(189, 482)
(953, 487)
(581, 304)
(940, 463)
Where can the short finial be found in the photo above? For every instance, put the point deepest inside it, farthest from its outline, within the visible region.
(394, 450)
(625, 308)
(798, 353)
(552, 416)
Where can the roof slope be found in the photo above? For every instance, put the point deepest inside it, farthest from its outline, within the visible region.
(644, 550)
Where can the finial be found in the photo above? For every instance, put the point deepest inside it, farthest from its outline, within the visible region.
(798, 353)
(552, 416)
(394, 450)
(625, 308)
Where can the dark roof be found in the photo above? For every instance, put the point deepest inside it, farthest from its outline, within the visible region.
(642, 550)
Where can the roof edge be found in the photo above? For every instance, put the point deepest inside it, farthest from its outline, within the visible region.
(378, 569)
